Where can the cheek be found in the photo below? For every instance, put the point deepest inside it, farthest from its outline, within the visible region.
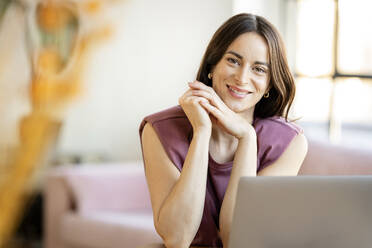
(222, 71)
(262, 84)
(219, 79)
(218, 88)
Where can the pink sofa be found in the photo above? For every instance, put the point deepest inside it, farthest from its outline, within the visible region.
(327, 159)
(103, 206)
(108, 205)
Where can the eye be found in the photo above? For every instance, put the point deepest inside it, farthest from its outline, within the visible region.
(233, 61)
(259, 69)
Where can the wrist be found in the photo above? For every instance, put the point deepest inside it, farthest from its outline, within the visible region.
(202, 131)
(249, 135)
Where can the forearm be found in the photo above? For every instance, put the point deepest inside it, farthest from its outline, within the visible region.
(245, 164)
(181, 213)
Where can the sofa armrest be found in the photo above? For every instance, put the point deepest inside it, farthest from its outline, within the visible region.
(324, 158)
(57, 201)
(107, 187)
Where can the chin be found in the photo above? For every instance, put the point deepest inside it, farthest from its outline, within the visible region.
(238, 108)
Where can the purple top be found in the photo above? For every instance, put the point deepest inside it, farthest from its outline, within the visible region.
(175, 133)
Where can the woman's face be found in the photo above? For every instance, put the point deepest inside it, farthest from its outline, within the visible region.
(242, 75)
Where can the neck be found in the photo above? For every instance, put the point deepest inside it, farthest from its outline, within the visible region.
(222, 138)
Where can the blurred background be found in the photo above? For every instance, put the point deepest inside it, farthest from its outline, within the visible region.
(141, 55)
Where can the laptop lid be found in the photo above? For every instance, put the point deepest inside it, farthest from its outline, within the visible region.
(303, 211)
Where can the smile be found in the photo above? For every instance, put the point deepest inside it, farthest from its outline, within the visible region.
(237, 93)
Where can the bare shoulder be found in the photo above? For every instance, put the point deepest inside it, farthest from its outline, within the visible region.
(296, 150)
(153, 151)
(148, 134)
(299, 145)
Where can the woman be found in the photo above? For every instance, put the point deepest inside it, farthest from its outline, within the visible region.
(232, 122)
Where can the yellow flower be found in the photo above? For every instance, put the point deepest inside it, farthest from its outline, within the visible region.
(49, 61)
(93, 6)
(52, 17)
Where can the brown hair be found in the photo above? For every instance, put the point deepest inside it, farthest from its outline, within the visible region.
(282, 87)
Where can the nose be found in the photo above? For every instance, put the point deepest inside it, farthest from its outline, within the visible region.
(243, 75)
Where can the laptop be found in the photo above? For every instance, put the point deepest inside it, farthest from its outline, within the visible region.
(303, 212)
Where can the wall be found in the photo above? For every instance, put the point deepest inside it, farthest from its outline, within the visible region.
(281, 13)
(14, 76)
(145, 68)
(270, 9)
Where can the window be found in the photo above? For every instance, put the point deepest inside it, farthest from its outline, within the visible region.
(333, 69)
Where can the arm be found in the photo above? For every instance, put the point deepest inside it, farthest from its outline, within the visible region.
(245, 160)
(245, 163)
(289, 163)
(177, 198)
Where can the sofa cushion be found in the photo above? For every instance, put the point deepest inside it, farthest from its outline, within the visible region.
(115, 187)
(109, 229)
(324, 158)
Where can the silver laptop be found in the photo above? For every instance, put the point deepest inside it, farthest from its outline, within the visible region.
(303, 211)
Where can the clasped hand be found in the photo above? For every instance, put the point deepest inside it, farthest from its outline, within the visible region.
(203, 107)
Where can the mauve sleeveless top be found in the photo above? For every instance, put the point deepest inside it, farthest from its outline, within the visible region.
(175, 133)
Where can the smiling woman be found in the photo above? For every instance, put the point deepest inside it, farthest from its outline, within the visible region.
(245, 60)
(231, 122)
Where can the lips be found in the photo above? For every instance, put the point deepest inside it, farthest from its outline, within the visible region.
(237, 92)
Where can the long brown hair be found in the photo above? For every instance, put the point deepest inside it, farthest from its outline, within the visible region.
(282, 87)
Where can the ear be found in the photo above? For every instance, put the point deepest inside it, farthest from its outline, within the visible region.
(210, 79)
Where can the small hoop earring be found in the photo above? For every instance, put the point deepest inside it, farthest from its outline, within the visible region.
(210, 75)
(266, 95)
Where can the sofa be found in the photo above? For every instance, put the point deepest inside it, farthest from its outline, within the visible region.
(108, 206)
(98, 205)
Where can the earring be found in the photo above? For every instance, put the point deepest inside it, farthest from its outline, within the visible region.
(266, 95)
(210, 75)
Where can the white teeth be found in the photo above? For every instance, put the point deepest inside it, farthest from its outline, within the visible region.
(238, 92)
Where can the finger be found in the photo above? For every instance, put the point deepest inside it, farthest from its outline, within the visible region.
(202, 93)
(188, 93)
(214, 99)
(196, 85)
(213, 110)
(196, 99)
(200, 85)
(184, 95)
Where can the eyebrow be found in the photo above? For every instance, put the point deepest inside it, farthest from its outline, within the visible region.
(241, 57)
